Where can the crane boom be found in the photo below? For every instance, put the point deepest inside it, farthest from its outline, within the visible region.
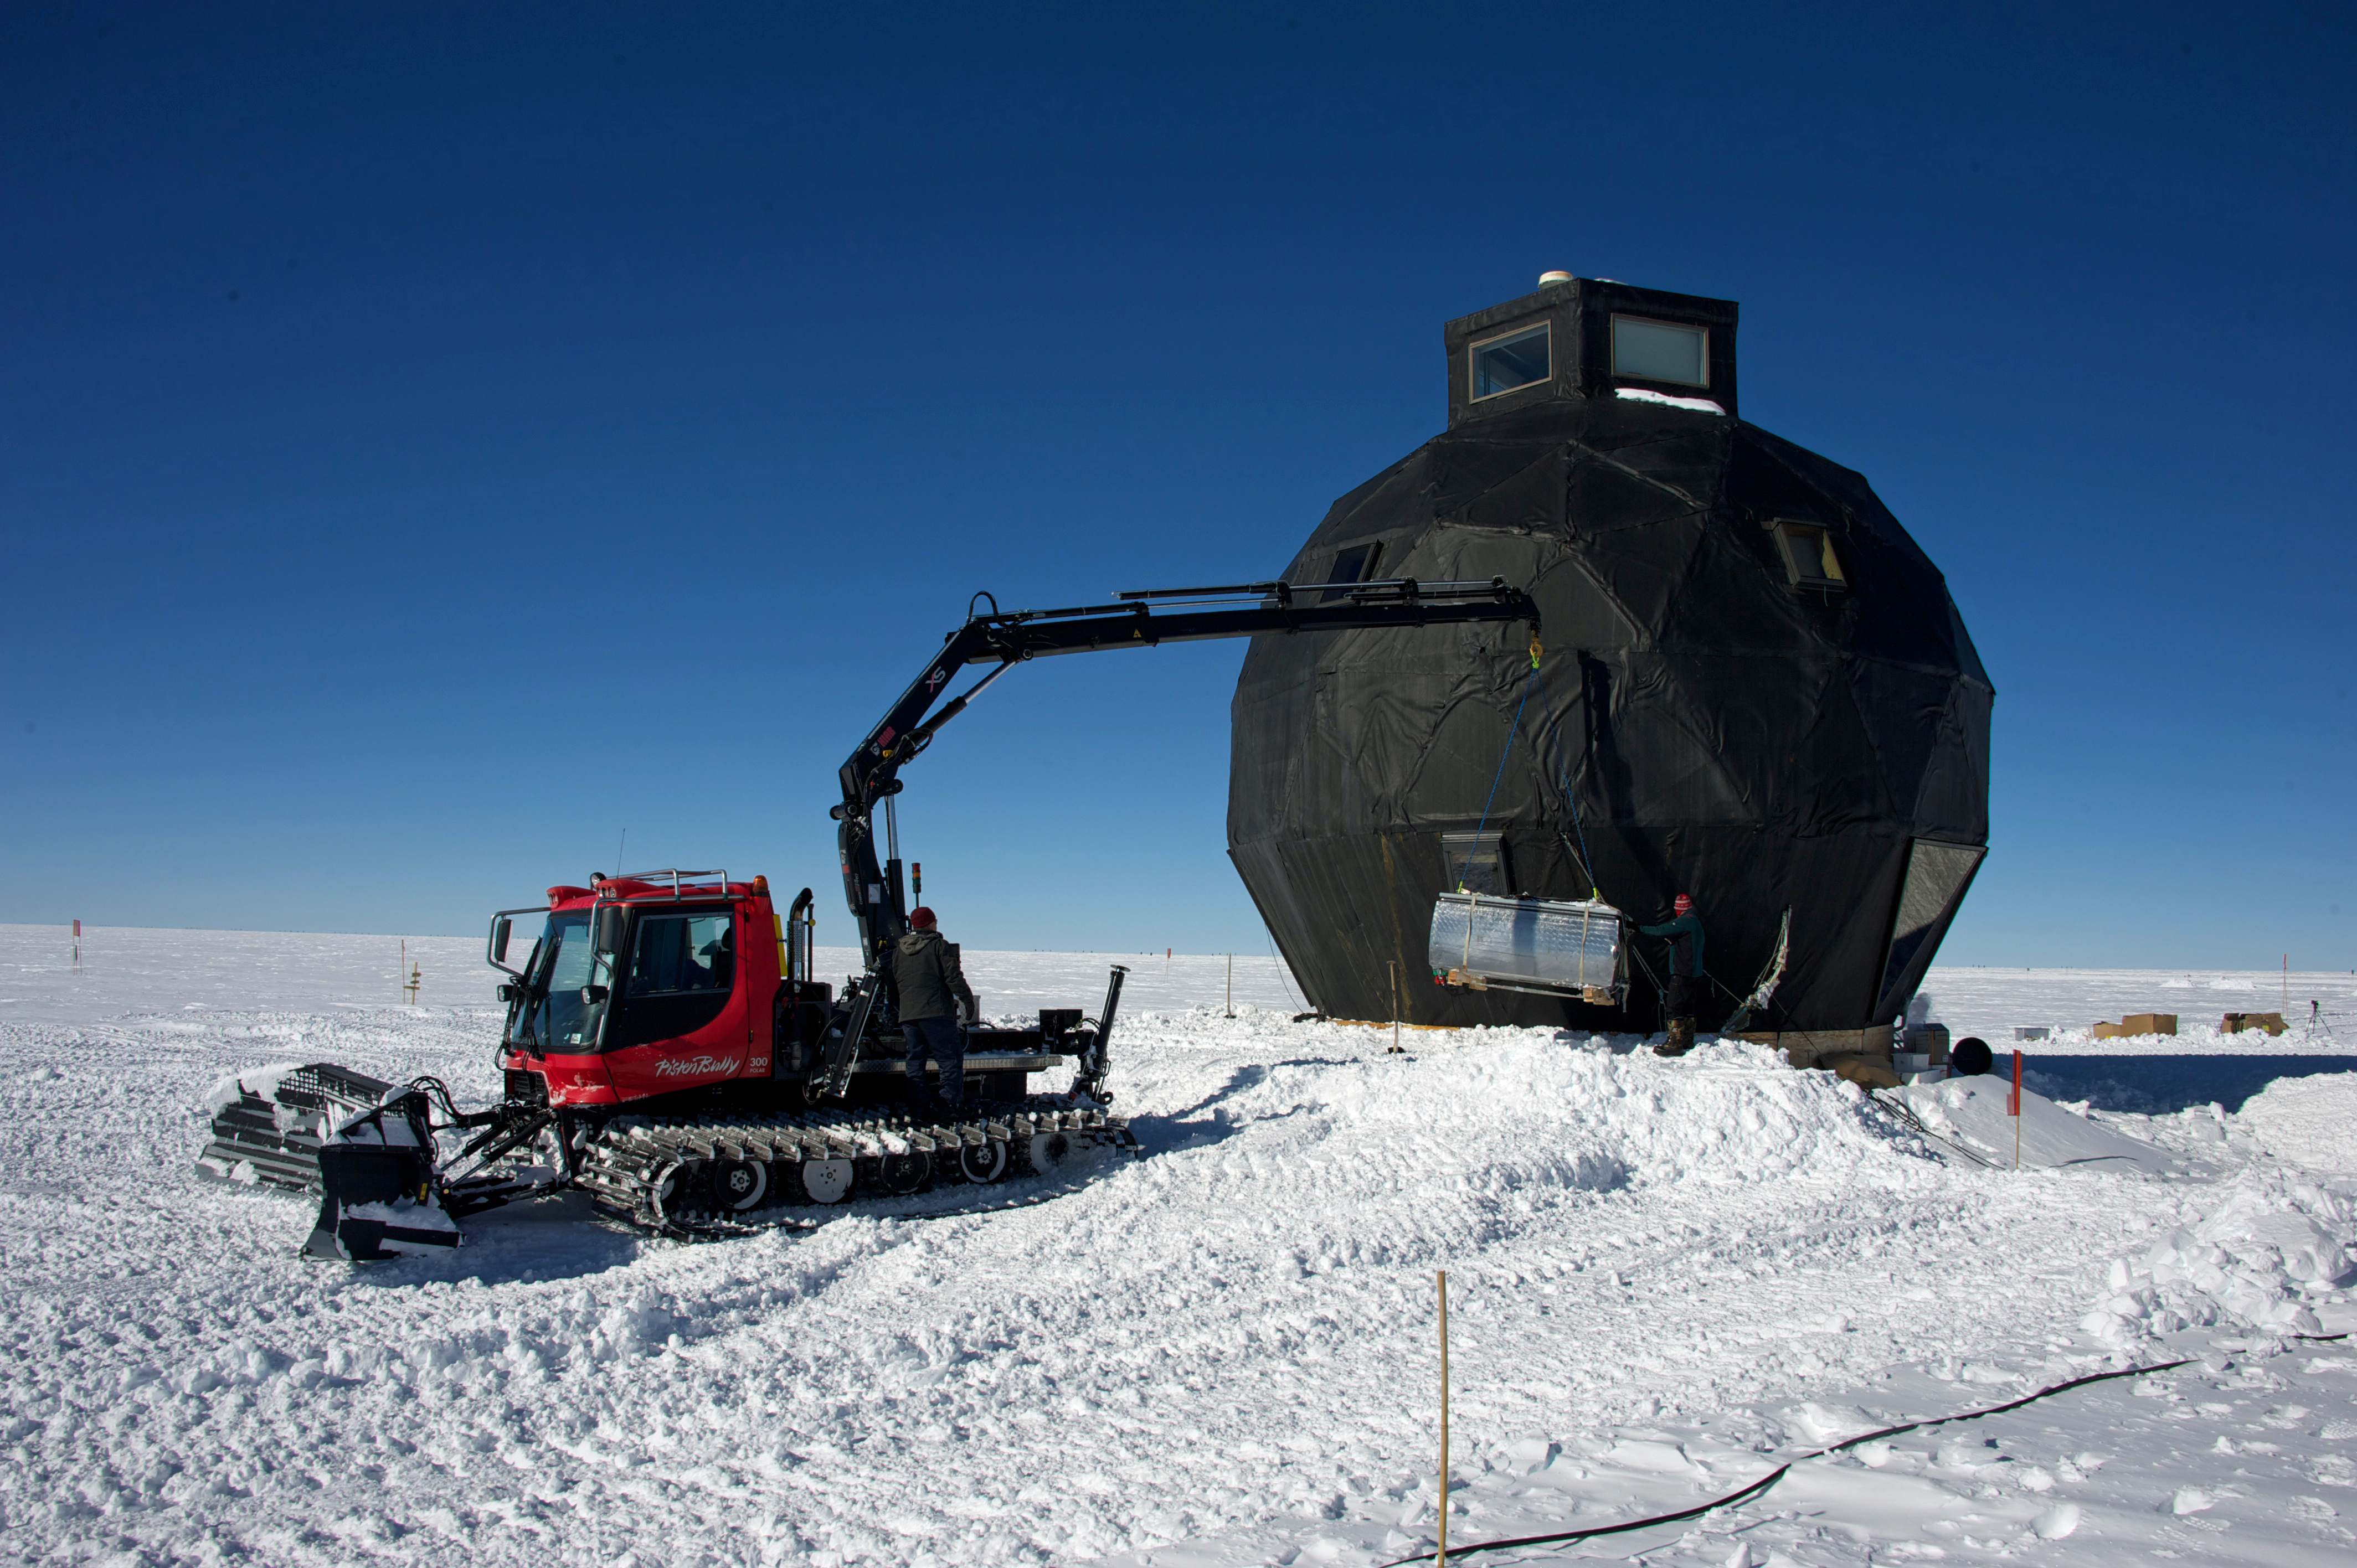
(1005, 639)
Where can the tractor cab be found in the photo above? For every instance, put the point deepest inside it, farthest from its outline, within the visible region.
(642, 985)
(664, 981)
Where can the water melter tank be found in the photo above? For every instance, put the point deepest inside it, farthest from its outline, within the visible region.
(1754, 688)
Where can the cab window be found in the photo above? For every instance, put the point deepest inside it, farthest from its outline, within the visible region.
(675, 955)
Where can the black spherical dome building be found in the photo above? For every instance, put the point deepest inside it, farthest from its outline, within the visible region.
(1753, 688)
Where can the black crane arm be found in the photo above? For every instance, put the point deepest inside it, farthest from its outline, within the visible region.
(1005, 640)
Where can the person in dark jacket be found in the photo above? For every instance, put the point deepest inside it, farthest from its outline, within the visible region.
(930, 984)
(1683, 929)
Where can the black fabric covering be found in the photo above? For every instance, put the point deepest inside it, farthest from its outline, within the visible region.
(1722, 730)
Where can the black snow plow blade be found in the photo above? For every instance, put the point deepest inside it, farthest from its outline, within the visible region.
(269, 1124)
(377, 1192)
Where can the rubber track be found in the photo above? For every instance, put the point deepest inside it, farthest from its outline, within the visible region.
(658, 1173)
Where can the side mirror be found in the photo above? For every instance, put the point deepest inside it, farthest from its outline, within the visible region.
(507, 991)
(593, 994)
(499, 928)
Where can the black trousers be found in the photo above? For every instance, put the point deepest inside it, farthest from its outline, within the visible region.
(1685, 991)
(939, 1038)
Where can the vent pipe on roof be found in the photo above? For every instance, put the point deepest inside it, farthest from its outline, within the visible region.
(1548, 278)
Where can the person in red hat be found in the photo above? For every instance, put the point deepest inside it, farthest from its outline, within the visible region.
(1683, 929)
(929, 985)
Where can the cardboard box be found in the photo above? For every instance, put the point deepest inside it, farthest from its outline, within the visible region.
(2235, 1023)
(2137, 1023)
(1801, 1048)
(1930, 1040)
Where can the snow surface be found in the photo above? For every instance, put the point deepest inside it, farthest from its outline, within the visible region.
(1666, 1278)
(1992, 1002)
(1975, 1114)
(2308, 1123)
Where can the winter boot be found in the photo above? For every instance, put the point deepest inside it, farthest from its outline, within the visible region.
(1680, 1039)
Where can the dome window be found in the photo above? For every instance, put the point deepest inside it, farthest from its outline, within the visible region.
(1661, 351)
(1516, 360)
(1476, 863)
(1809, 558)
(1356, 564)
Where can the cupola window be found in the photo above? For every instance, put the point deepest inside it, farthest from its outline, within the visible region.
(1661, 351)
(1516, 360)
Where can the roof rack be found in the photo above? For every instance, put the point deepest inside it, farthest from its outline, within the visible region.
(682, 884)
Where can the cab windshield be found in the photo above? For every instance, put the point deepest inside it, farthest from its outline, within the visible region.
(558, 1019)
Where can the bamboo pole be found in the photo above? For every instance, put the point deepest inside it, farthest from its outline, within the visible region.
(2017, 1111)
(1441, 1559)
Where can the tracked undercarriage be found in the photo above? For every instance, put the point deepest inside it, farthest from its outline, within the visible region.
(728, 1176)
(689, 1177)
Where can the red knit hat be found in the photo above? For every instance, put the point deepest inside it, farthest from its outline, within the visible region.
(1681, 904)
(920, 918)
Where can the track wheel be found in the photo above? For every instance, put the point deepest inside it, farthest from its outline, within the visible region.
(826, 1181)
(676, 1189)
(1049, 1151)
(739, 1185)
(903, 1173)
(985, 1162)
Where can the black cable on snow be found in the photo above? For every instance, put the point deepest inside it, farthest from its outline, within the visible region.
(1744, 1496)
(1900, 1109)
(1760, 1486)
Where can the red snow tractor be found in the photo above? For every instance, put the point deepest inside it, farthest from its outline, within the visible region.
(669, 1052)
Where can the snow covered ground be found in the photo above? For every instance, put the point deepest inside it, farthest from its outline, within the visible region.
(1994, 1003)
(1667, 1278)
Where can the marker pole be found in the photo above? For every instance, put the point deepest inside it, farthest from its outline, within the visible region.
(1441, 1559)
(2013, 1108)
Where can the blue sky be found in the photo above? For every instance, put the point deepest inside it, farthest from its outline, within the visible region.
(436, 438)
